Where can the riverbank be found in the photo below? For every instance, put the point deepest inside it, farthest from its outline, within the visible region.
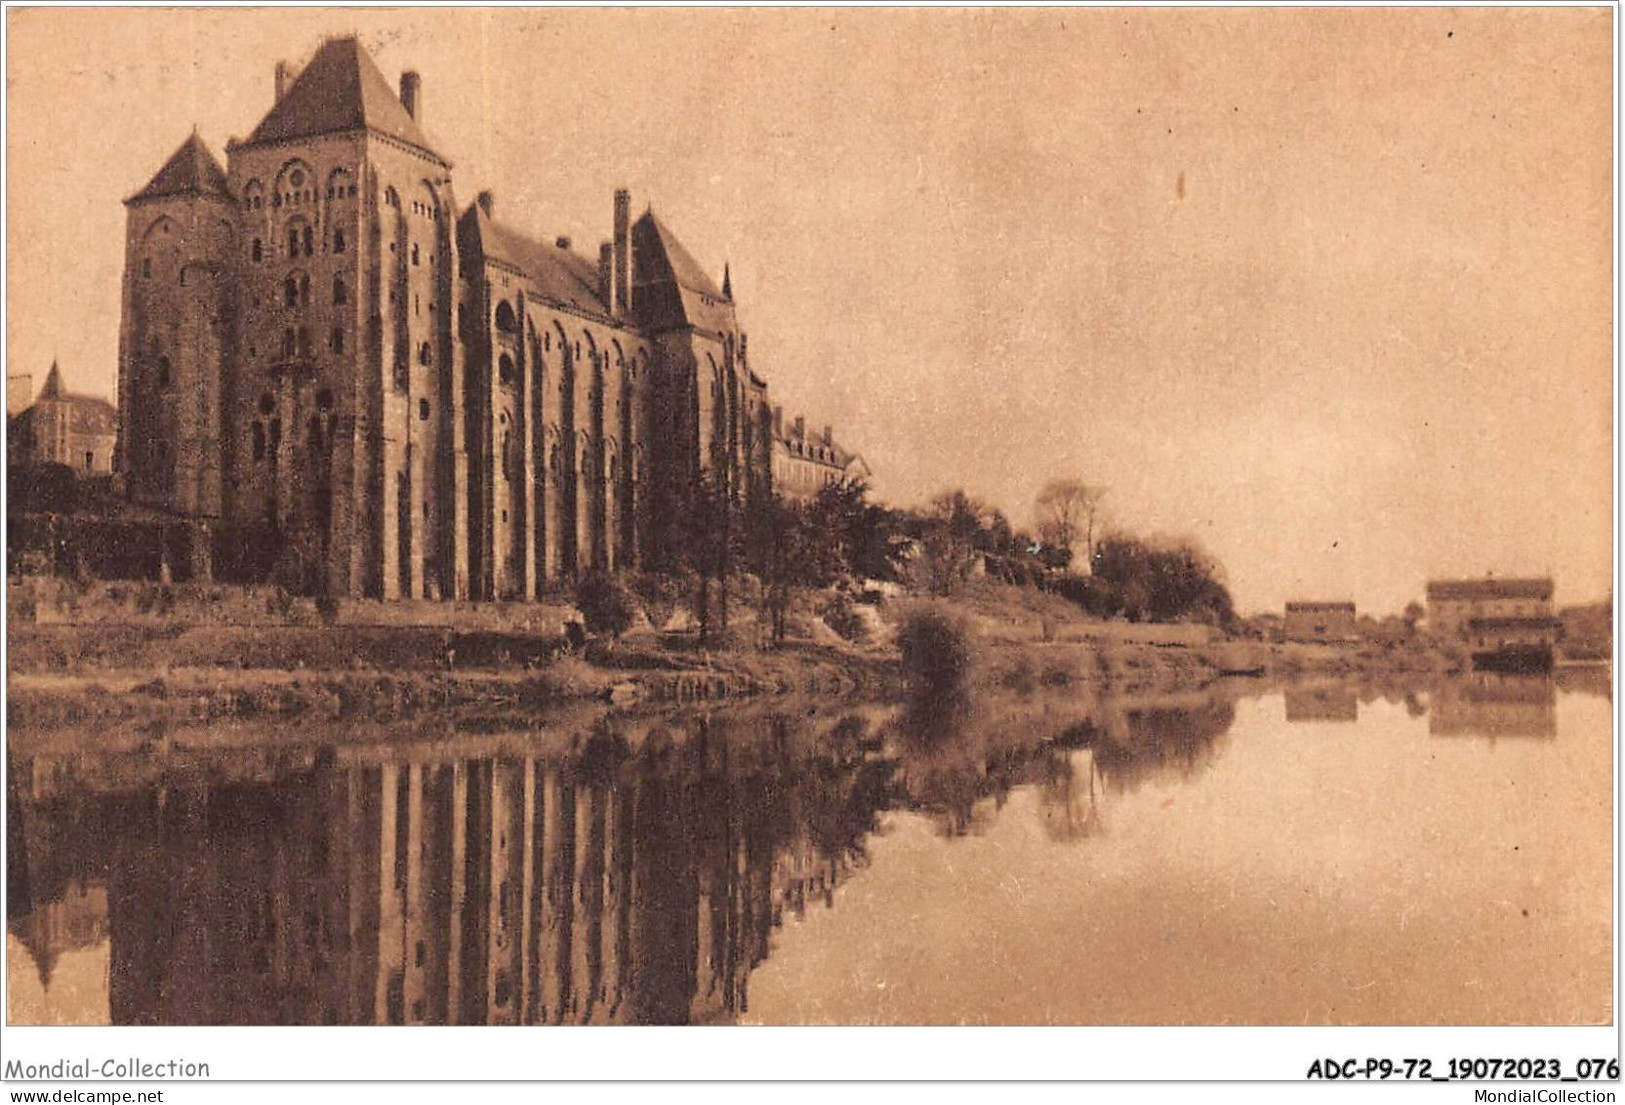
(110, 654)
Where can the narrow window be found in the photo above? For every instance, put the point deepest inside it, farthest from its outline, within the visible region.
(304, 341)
(163, 372)
(258, 251)
(293, 241)
(414, 253)
(338, 340)
(423, 410)
(259, 441)
(425, 355)
(340, 294)
(146, 268)
(304, 290)
(90, 461)
(338, 241)
(290, 292)
(310, 241)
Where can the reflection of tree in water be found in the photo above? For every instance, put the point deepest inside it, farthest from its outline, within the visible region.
(1156, 742)
(959, 758)
(1071, 807)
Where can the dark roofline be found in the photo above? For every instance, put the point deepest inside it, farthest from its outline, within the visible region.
(1319, 607)
(1490, 589)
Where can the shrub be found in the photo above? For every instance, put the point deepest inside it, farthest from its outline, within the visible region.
(841, 616)
(936, 649)
(606, 603)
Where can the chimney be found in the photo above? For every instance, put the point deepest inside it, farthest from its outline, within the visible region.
(778, 420)
(284, 78)
(800, 432)
(829, 435)
(487, 202)
(412, 94)
(562, 241)
(623, 249)
(606, 275)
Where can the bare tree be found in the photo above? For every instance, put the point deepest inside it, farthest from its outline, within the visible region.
(1067, 510)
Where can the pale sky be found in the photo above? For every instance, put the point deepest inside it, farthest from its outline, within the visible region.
(1328, 290)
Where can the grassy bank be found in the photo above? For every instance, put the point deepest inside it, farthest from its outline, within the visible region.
(229, 655)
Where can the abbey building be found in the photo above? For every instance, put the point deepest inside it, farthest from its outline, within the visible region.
(324, 357)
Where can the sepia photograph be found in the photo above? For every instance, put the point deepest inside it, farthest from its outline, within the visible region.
(1077, 517)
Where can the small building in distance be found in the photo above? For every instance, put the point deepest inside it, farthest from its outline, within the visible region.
(1319, 621)
(60, 427)
(1496, 620)
(803, 464)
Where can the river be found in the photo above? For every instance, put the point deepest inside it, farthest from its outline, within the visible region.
(1323, 853)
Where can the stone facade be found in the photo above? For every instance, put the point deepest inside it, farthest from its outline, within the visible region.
(63, 428)
(1472, 611)
(321, 351)
(804, 464)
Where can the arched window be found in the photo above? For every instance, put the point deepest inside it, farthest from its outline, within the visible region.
(257, 252)
(340, 293)
(163, 372)
(290, 292)
(505, 370)
(310, 241)
(426, 354)
(293, 241)
(393, 198)
(338, 241)
(506, 321)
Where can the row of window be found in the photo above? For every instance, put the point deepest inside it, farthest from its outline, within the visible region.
(296, 291)
(300, 196)
(298, 243)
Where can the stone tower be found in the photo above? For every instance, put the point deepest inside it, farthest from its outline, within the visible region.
(175, 341)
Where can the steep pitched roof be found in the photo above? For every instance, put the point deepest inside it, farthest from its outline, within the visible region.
(672, 289)
(190, 170)
(561, 276)
(683, 266)
(340, 90)
(53, 383)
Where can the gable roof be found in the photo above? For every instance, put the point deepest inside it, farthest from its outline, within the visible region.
(670, 287)
(340, 90)
(560, 275)
(190, 170)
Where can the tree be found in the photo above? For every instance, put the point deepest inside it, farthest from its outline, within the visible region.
(606, 603)
(1067, 510)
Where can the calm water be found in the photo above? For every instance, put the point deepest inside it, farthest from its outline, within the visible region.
(1327, 854)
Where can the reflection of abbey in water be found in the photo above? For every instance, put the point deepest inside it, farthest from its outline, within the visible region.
(1494, 706)
(472, 881)
(497, 890)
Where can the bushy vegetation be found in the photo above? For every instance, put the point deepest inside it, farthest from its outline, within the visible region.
(935, 649)
(607, 603)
